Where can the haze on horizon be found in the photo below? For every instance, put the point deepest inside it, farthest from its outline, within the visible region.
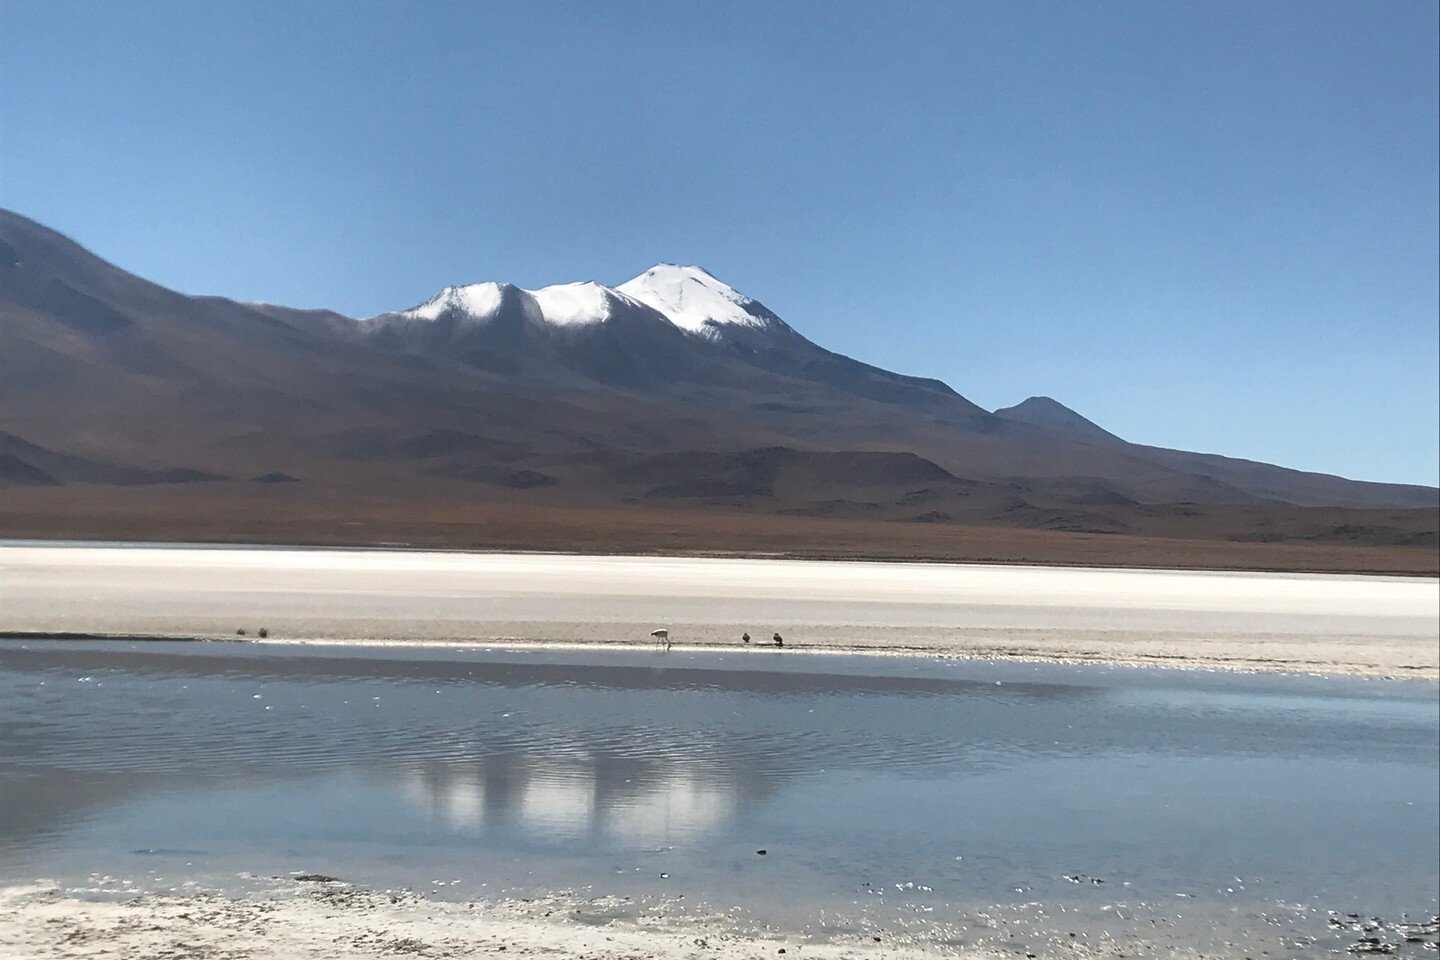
(1212, 228)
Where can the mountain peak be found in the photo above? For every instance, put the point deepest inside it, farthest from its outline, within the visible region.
(688, 296)
(1053, 415)
(695, 300)
(684, 270)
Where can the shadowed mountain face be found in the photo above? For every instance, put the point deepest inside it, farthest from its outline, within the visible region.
(1056, 417)
(671, 388)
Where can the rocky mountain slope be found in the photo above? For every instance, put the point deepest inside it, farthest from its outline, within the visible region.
(671, 389)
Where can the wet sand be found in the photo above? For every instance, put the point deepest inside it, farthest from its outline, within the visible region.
(1376, 626)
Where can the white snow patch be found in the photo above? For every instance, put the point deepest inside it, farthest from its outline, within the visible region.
(688, 297)
(563, 304)
(473, 300)
(574, 303)
(568, 304)
(694, 300)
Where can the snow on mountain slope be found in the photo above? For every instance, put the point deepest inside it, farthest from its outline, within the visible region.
(670, 317)
(688, 297)
(561, 304)
(568, 304)
(695, 301)
(475, 300)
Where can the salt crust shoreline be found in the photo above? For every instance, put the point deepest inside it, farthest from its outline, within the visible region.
(1386, 627)
(1294, 657)
(1299, 661)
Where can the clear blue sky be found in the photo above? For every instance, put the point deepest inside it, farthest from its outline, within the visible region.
(1204, 225)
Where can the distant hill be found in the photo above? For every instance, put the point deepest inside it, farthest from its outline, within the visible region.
(1055, 416)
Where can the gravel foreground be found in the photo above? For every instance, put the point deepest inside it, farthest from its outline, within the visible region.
(316, 918)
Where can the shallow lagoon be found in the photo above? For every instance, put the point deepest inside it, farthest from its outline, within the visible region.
(971, 799)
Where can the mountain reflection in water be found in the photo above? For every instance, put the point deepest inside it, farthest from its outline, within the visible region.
(656, 803)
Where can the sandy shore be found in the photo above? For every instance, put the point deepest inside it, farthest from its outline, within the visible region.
(1377, 626)
(40, 922)
(325, 921)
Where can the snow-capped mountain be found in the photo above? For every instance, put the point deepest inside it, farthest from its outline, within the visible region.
(676, 327)
(562, 304)
(671, 388)
(558, 333)
(474, 301)
(691, 298)
(567, 304)
(696, 302)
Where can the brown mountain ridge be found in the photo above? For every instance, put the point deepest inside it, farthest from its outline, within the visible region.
(670, 402)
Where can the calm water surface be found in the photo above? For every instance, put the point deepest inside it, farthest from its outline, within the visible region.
(1215, 809)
